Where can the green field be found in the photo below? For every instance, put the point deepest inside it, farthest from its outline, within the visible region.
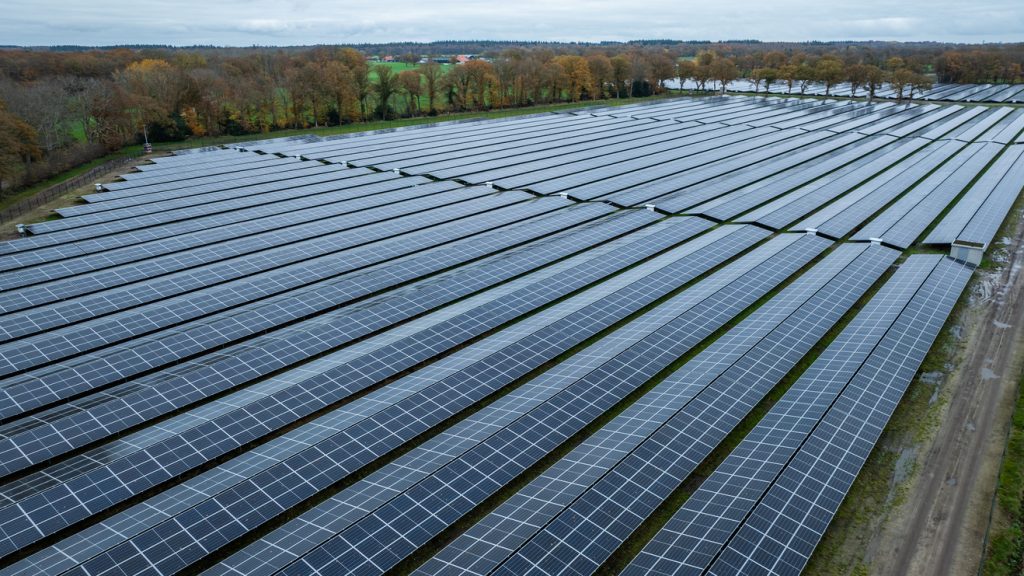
(397, 67)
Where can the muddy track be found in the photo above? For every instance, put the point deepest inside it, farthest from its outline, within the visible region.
(941, 526)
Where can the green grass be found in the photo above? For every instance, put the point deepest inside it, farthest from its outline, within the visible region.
(397, 67)
(78, 131)
(1005, 553)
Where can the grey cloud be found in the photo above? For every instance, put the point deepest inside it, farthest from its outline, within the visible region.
(236, 22)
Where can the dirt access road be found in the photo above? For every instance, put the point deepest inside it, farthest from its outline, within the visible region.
(940, 527)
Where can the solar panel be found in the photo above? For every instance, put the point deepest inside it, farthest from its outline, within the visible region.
(511, 174)
(800, 202)
(494, 146)
(571, 396)
(306, 211)
(925, 122)
(354, 376)
(766, 171)
(697, 532)
(141, 183)
(161, 396)
(39, 249)
(198, 187)
(232, 164)
(443, 165)
(759, 192)
(127, 218)
(631, 464)
(637, 182)
(328, 354)
(902, 222)
(408, 416)
(982, 124)
(845, 214)
(119, 226)
(947, 127)
(786, 525)
(306, 396)
(440, 134)
(247, 253)
(192, 293)
(982, 227)
(976, 217)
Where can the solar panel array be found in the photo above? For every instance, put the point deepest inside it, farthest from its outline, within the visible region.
(483, 347)
(941, 92)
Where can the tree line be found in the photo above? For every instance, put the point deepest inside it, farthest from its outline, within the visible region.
(797, 72)
(72, 106)
(59, 108)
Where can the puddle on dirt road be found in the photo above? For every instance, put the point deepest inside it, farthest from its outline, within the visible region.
(937, 378)
(903, 469)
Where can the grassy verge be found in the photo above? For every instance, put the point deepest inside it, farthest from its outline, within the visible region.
(1005, 552)
(7, 201)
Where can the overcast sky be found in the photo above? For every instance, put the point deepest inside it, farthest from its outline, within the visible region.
(294, 22)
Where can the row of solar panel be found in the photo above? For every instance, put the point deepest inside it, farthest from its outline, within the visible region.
(106, 227)
(998, 93)
(358, 440)
(30, 323)
(48, 319)
(869, 269)
(26, 324)
(767, 505)
(642, 213)
(206, 207)
(107, 215)
(1008, 125)
(263, 349)
(351, 559)
(316, 389)
(166, 391)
